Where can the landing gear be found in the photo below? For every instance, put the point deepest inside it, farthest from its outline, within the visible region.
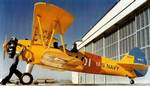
(26, 79)
(131, 81)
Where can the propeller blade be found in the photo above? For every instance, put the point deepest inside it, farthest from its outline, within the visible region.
(5, 44)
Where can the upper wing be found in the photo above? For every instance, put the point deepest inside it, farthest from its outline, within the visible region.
(133, 66)
(51, 17)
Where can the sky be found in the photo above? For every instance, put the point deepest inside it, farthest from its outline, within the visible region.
(16, 19)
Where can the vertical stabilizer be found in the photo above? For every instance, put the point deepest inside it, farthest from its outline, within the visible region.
(139, 58)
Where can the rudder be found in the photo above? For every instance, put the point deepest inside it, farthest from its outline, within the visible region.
(139, 58)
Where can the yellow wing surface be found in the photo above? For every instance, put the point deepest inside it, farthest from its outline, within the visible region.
(48, 18)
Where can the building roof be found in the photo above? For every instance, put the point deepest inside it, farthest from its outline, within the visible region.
(118, 12)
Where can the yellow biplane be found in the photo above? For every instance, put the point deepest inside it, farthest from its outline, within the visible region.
(43, 49)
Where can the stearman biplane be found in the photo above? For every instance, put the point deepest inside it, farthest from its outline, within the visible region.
(43, 49)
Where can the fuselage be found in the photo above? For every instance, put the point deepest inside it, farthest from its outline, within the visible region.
(91, 63)
(103, 65)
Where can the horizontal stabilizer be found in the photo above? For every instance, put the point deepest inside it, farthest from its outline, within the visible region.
(134, 66)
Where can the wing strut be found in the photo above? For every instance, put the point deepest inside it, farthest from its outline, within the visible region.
(50, 42)
(41, 32)
(63, 44)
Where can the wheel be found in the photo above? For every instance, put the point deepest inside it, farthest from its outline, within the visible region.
(131, 81)
(26, 79)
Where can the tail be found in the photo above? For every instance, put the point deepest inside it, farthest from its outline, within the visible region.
(139, 58)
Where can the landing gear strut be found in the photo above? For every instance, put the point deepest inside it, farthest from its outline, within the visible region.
(26, 78)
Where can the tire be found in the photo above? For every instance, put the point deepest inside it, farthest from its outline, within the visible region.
(26, 83)
(132, 81)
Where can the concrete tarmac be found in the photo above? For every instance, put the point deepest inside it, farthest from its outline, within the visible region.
(78, 85)
(55, 84)
(88, 85)
(68, 83)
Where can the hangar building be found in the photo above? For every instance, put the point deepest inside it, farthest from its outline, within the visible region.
(125, 26)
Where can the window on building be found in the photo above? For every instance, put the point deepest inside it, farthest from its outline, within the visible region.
(98, 47)
(111, 45)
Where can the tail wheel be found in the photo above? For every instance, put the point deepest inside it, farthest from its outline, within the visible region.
(26, 79)
(131, 81)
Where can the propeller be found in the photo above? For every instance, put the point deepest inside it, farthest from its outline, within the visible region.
(5, 46)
